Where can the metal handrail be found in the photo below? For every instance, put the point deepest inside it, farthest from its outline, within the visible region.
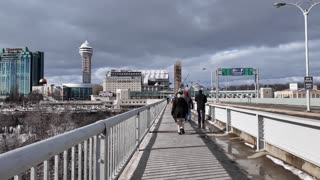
(287, 118)
(106, 139)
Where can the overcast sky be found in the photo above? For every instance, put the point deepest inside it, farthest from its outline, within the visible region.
(153, 34)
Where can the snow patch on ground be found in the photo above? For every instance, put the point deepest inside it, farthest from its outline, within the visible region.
(302, 175)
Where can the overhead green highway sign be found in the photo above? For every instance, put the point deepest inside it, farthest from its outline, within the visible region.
(237, 71)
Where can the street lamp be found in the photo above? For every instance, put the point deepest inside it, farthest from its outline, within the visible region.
(211, 83)
(305, 13)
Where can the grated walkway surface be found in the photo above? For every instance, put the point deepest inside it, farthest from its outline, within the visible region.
(173, 156)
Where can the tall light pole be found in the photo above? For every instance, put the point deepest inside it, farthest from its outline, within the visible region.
(211, 83)
(305, 13)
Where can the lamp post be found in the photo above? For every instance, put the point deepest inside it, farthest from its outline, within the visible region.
(211, 83)
(305, 13)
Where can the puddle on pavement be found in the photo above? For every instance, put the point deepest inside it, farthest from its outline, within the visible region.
(256, 164)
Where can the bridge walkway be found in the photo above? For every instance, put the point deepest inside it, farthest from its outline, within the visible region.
(169, 155)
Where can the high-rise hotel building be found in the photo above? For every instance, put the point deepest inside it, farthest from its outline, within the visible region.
(20, 69)
(139, 80)
(86, 51)
(122, 79)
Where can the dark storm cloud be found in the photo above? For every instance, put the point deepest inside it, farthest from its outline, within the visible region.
(146, 33)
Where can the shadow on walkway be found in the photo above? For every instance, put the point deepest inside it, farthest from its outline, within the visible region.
(229, 165)
(172, 156)
(146, 152)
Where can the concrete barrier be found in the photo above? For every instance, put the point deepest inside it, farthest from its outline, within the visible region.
(289, 138)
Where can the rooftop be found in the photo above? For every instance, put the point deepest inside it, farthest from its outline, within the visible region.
(85, 45)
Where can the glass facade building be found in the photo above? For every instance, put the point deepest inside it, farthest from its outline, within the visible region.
(77, 91)
(20, 69)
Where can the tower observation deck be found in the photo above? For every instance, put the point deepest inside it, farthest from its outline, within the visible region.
(86, 51)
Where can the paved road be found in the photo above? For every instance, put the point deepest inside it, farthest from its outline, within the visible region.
(173, 156)
(299, 111)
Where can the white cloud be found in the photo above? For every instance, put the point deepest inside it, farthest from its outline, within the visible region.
(278, 64)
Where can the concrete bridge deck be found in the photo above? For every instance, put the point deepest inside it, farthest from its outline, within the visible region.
(195, 155)
(169, 155)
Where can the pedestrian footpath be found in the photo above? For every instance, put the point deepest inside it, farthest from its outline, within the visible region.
(174, 156)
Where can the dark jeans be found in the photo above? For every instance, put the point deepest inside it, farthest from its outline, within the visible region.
(201, 117)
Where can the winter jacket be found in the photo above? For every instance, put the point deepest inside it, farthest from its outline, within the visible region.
(189, 102)
(201, 101)
(179, 108)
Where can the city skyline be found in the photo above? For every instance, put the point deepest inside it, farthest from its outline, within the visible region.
(208, 34)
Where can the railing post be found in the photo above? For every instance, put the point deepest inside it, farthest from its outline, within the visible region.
(212, 115)
(148, 117)
(33, 173)
(107, 151)
(228, 125)
(73, 163)
(56, 167)
(80, 161)
(17, 177)
(137, 129)
(260, 134)
(95, 156)
(103, 156)
(85, 158)
(65, 165)
(45, 170)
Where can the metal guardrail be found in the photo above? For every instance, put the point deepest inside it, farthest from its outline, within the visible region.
(97, 151)
(295, 135)
(280, 101)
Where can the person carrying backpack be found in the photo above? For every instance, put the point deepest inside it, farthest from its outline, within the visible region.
(179, 111)
(201, 100)
(190, 105)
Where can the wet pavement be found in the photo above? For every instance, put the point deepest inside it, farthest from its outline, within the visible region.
(202, 154)
(255, 164)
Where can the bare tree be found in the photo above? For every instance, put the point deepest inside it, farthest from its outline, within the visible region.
(14, 96)
(96, 88)
(35, 96)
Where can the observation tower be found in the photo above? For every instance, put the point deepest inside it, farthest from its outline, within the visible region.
(86, 51)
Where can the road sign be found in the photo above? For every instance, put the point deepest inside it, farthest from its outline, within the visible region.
(308, 83)
(237, 71)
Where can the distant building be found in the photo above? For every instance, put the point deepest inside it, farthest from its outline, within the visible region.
(20, 69)
(177, 76)
(66, 91)
(296, 94)
(155, 80)
(266, 93)
(86, 51)
(77, 91)
(137, 80)
(123, 100)
(123, 94)
(122, 79)
(293, 86)
(41, 88)
(197, 87)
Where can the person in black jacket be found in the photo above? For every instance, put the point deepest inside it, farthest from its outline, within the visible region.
(179, 111)
(190, 105)
(201, 101)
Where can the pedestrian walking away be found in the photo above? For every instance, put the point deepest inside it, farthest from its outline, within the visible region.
(190, 105)
(201, 100)
(179, 111)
